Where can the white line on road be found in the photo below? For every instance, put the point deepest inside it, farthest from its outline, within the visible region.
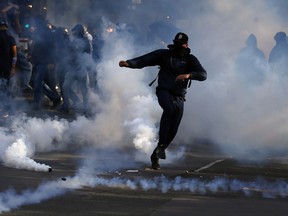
(208, 165)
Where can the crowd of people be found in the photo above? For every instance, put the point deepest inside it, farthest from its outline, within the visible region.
(59, 67)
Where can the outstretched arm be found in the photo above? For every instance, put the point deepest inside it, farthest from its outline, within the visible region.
(149, 59)
(123, 63)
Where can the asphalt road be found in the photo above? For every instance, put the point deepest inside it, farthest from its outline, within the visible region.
(204, 182)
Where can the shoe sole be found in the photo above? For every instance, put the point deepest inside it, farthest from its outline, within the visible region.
(155, 168)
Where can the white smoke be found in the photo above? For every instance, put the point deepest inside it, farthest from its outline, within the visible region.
(242, 120)
(11, 200)
(27, 136)
(16, 156)
(240, 117)
(219, 109)
(124, 109)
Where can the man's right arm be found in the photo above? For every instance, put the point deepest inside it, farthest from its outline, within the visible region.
(149, 59)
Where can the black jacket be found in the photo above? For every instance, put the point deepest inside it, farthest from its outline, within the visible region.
(172, 63)
(6, 55)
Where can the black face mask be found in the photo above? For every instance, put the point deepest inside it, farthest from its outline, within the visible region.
(178, 48)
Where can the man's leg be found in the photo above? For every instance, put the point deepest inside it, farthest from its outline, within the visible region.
(175, 119)
(38, 80)
(169, 123)
(25, 70)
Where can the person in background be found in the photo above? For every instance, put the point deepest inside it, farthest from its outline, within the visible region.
(278, 57)
(11, 13)
(43, 62)
(8, 60)
(97, 44)
(251, 65)
(177, 68)
(80, 61)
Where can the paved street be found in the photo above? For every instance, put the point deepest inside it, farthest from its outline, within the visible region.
(129, 62)
(204, 183)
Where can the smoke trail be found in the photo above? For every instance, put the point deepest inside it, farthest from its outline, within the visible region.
(241, 120)
(16, 156)
(26, 136)
(10, 200)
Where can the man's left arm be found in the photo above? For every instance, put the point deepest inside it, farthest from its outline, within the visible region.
(196, 71)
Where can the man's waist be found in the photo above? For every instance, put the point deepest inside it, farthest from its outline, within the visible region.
(181, 92)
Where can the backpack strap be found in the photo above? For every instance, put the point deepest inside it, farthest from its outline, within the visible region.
(154, 80)
(189, 83)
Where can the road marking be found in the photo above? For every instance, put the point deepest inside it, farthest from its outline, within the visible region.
(208, 165)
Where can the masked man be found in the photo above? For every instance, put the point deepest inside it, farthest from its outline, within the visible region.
(177, 68)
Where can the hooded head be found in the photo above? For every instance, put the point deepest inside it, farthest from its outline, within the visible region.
(78, 31)
(251, 40)
(180, 39)
(280, 37)
(180, 45)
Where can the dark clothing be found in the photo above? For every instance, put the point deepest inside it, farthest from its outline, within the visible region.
(251, 65)
(97, 44)
(43, 46)
(278, 59)
(6, 55)
(172, 63)
(280, 51)
(81, 59)
(42, 56)
(173, 108)
(171, 94)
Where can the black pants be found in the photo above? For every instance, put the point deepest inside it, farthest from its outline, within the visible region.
(173, 108)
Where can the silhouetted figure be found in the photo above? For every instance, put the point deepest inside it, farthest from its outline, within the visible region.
(8, 59)
(43, 62)
(278, 58)
(24, 67)
(97, 44)
(81, 60)
(251, 65)
(62, 56)
(8, 55)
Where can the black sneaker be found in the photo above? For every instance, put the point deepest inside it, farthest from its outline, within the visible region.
(160, 153)
(155, 162)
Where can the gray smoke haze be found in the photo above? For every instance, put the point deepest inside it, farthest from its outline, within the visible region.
(241, 118)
